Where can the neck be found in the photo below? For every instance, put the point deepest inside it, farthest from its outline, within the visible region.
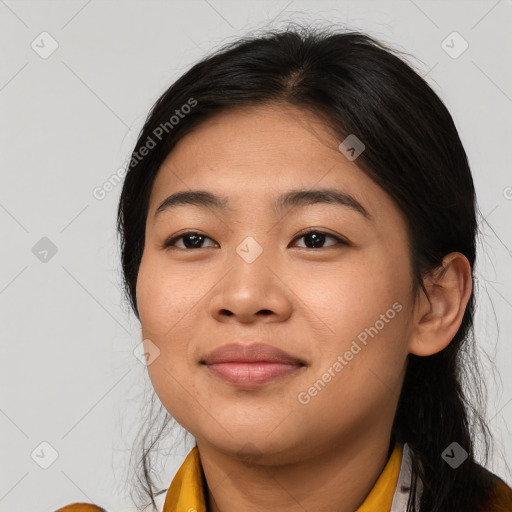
(338, 478)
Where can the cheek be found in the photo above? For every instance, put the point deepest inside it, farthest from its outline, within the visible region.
(166, 300)
(362, 360)
(352, 296)
(163, 297)
(163, 308)
(366, 308)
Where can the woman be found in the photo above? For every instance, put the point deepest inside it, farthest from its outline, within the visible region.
(298, 240)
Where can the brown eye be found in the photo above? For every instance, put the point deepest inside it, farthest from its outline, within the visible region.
(314, 239)
(191, 240)
(317, 238)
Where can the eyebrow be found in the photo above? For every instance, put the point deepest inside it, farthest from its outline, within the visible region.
(291, 199)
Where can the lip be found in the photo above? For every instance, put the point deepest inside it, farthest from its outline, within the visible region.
(251, 365)
(253, 353)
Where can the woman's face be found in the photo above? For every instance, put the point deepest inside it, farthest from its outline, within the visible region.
(340, 303)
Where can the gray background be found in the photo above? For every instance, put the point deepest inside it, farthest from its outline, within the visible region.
(69, 122)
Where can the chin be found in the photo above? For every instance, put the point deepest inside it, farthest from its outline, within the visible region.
(254, 445)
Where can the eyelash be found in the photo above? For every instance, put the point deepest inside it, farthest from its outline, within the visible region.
(169, 243)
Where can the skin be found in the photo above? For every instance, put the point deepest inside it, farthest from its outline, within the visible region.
(261, 448)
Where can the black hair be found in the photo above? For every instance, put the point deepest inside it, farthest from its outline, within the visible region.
(360, 86)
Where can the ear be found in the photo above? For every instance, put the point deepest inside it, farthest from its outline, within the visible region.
(438, 314)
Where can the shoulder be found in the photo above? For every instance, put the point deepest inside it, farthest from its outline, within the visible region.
(81, 507)
(497, 494)
(89, 507)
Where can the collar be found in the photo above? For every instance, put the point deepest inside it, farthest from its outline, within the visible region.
(390, 492)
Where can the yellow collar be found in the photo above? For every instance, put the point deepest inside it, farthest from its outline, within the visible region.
(186, 492)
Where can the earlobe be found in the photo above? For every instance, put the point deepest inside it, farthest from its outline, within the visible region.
(438, 314)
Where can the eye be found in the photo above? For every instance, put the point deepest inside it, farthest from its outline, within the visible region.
(315, 237)
(194, 240)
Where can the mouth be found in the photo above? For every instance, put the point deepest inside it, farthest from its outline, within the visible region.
(251, 365)
(252, 374)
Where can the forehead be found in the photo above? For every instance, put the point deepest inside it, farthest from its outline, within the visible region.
(253, 154)
(260, 134)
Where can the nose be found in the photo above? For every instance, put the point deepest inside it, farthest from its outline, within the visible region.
(252, 292)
